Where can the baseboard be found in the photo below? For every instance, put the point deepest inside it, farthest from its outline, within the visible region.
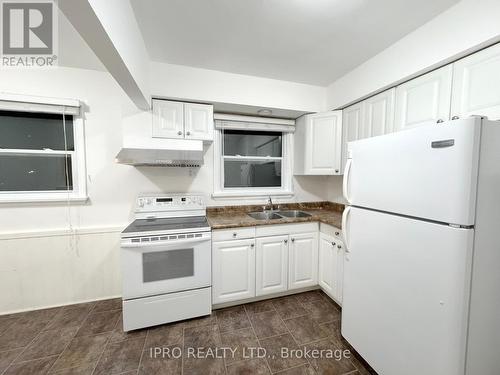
(59, 305)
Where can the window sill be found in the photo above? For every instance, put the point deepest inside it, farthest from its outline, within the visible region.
(43, 198)
(251, 194)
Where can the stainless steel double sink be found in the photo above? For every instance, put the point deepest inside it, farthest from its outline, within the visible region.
(275, 215)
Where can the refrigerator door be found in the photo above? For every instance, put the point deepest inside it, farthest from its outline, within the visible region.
(427, 172)
(406, 288)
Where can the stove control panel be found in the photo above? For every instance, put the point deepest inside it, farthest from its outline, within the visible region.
(170, 202)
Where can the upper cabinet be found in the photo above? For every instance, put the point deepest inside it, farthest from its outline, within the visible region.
(168, 119)
(426, 98)
(182, 120)
(378, 114)
(318, 144)
(470, 86)
(476, 84)
(199, 121)
(352, 120)
(369, 118)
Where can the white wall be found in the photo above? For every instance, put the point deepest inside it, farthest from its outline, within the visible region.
(177, 81)
(461, 29)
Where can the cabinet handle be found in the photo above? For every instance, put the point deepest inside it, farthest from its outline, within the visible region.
(337, 233)
(293, 239)
(455, 118)
(336, 171)
(286, 241)
(235, 234)
(188, 133)
(333, 243)
(339, 247)
(252, 245)
(179, 133)
(440, 121)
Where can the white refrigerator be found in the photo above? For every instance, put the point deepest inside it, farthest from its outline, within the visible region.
(422, 265)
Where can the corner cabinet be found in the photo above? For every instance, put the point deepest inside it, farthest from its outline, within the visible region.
(233, 270)
(318, 144)
(331, 266)
(352, 121)
(180, 120)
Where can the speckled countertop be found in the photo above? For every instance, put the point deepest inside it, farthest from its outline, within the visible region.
(226, 217)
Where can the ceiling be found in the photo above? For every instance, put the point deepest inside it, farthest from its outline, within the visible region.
(307, 41)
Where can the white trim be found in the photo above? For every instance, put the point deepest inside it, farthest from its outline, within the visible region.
(9, 312)
(26, 103)
(78, 167)
(286, 190)
(255, 126)
(261, 120)
(35, 152)
(253, 158)
(41, 197)
(61, 232)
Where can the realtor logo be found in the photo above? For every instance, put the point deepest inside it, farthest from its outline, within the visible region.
(29, 33)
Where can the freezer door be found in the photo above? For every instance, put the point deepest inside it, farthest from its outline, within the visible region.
(427, 172)
(406, 288)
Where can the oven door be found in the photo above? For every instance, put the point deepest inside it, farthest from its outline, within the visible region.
(152, 268)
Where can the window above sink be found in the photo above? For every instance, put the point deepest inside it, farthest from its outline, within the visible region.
(252, 159)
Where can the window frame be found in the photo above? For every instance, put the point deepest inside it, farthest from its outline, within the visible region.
(78, 165)
(285, 190)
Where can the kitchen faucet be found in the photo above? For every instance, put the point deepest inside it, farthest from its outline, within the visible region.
(269, 204)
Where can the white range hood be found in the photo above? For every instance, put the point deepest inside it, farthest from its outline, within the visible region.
(161, 152)
(139, 148)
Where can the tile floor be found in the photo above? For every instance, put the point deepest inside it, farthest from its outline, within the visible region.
(88, 339)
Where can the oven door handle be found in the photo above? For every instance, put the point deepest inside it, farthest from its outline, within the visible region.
(164, 244)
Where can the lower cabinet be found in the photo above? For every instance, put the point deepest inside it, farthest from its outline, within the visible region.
(271, 265)
(277, 259)
(331, 266)
(233, 270)
(303, 260)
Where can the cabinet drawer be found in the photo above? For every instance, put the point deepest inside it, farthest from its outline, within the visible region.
(331, 231)
(233, 234)
(166, 308)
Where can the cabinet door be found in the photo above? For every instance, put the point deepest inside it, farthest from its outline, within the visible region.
(326, 277)
(426, 98)
(303, 263)
(339, 267)
(379, 114)
(168, 119)
(352, 123)
(331, 266)
(271, 265)
(476, 84)
(199, 121)
(233, 270)
(324, 143)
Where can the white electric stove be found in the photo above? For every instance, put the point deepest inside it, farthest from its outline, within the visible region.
(166, 261)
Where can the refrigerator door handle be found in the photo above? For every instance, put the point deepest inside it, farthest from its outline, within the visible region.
(345, 229)
(345, 183)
